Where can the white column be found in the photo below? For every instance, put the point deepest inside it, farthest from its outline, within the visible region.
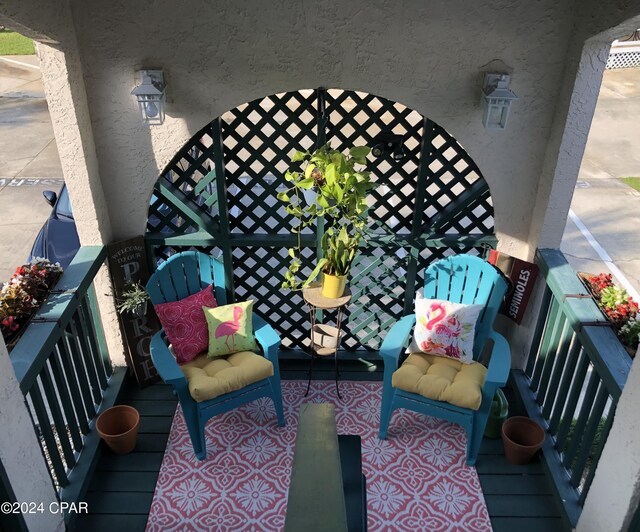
(568, 138)
(69, 109)
(615, 492)
(20, 452)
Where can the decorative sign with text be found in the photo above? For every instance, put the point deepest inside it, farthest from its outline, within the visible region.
(128, 264)
(522, 275)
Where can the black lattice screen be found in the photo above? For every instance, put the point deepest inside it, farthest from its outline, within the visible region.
(219, 195)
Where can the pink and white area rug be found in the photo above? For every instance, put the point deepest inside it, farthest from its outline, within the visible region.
(416, 480)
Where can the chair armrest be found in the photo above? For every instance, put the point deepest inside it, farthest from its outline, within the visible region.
(266, 337)
(165, 362)
(500, 363)
(396, 340)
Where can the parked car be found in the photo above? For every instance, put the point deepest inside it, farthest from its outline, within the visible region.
(58, 239)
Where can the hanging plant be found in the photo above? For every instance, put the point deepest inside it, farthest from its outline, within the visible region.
(339, 196)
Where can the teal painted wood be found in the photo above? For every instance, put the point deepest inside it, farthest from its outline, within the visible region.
(223, 207)
(81, 351)
(569, 368)
(566, 493)
(574, 443)
(58, 419)
(63, 369)
(59, 473)
(89, 339)
(543, 314)
(598, 453)
(571, 338)
(74, 387)
(88, 383)
(31, 352)
(589, 434)
(169, 283)
(568, 340)
(98, 331)
(557, 350)
(551, 334)
(65, 399)
(572, 401)
(443, 280)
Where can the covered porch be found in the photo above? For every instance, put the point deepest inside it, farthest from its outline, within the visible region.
(194, 182)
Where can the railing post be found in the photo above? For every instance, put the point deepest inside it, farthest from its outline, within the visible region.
(613, 498)
(21, 455)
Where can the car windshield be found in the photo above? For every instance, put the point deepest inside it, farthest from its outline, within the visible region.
(63, 207)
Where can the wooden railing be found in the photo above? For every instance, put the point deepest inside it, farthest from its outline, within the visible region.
(63, 368)
(573, 379)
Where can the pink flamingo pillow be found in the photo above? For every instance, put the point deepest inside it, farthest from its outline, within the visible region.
(446, 329)
(230, 329)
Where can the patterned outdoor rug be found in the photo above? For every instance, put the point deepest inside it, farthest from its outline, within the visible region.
(416, 480)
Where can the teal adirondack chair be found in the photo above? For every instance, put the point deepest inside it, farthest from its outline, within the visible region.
(460, 279)
(184, 274)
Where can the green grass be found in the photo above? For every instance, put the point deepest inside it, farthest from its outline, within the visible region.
(12, 43)
(633, 182)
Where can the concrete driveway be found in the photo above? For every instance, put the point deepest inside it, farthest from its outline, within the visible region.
(608, 209)
(29, 161)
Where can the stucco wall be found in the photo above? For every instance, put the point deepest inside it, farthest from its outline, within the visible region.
(427, 55)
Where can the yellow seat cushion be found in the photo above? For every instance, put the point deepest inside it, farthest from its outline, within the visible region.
(208, 378)
(442, 379)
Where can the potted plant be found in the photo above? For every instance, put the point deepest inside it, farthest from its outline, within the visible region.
(339, 196)
(134, 300)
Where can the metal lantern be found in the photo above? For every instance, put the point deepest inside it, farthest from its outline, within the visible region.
(151, 97)
(496, 101)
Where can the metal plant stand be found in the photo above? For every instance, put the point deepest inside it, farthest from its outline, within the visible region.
(325, 339)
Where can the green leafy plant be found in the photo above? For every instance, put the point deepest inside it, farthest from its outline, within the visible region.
(133, 298)
(612, 296)
(340, 192)
(630, 333)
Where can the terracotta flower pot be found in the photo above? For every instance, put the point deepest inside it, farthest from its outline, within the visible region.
(118, 427)
(522, 438)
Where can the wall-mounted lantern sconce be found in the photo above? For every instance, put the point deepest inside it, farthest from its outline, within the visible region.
(150, 96)
(496, 100)
(388, 143)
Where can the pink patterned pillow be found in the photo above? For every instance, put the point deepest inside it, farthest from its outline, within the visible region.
(185, 325)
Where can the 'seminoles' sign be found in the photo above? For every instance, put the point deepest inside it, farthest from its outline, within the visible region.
(128, 264)
(523, 277)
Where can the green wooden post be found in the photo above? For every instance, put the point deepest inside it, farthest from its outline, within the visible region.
(223, 208)
(426, 158)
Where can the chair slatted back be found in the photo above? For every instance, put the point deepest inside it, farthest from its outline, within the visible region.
(184, 274)
(469, 280)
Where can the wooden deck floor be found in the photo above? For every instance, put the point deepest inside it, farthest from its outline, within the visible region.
(120, 493)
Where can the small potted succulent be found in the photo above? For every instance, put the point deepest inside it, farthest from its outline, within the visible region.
(328, 187)
(134, 300)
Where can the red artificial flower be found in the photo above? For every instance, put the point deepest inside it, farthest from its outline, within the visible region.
(10, 323)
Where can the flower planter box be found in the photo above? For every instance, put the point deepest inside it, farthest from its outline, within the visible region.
(23, 295)
(617, 324)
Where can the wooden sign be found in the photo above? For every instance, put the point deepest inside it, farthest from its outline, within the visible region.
(523, 276)
(128, 264)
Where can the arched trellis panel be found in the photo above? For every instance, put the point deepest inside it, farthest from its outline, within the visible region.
(218, 195)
